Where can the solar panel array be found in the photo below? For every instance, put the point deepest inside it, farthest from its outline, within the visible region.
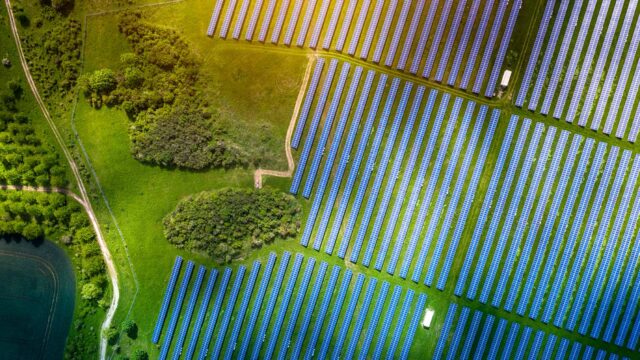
(279, 325)
(591, 48)
(562, 270)
(414, 127)
(499, 338)
(375, 31)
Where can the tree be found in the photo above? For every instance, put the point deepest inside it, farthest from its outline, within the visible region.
(32, 231)
(103, 81)
(91, 292)
(130, 328)
(139, 354)
(111, 334)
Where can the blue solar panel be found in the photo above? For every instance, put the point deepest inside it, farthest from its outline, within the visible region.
(175, 315)
(459, 333)
(386, 323)
(621, 90)
(448, 46)
(468, 201)
(551, 217)
(435, 175)
(486, 205)
(537, 47)
(213, 316)
(306, 106)
(293, 21)
(437, 37)
(612, 69)
(497, 339)
(502, 51)
(308, 145)
(537, 344)
(324, 307)
(522, 344)
(346, 322)
(629, 309)
(597, 72)
(548, 347)
(333, 320)
(612, 241)
(355, 37)
(302, 291)
(579, 257)
(424, 37)
(353, 174)
(310, 306)
(635, 335)
(386, 25)
(511, 340)
(373, 322)
(577, 219)
(404, 185)
(603, 226)
(362, 316)
(395, 40)
(344, 161)
(490, 44)
(633, 133)
(411, 34)
(273, 297)
(257, 304)
(399, 326)
(444, 333)
(177, 350)
(202, 312)
(471, 334)
(413, 326)
(317, 29)
(284, 302)
(420, 177)
(502, 199)
(373, 24)
(477, 42)
(326, 129)
(541, 246)
(241, 16)
(224, 324)
(371, 160)
(333, 22)
(588, 353)
(575, 351)
(392, 179)
(166, 300)
(333, 152)
(562, 349)
(576, 54)
(306, 21)
(254, 20)
(444, 191)
(227, 19)
(266, 20)
(562, 54)
(464, 40)
(346, 24)
(214, 17)
(237, 325)
(484, 337)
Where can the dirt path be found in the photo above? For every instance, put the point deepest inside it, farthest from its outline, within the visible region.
(259, 173)
(86, 203)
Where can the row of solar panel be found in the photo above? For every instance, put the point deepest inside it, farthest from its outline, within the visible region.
(583, 104)
(493, 337)
(284, 316)
(594, 255)
(380, 33)
(370, 226)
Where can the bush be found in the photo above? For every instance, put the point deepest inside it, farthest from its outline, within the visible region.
(90, 292)
(130, 328)
(140, 354)
(226, 224)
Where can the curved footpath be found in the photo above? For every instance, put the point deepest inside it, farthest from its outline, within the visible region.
(287, 142)
(86, 203)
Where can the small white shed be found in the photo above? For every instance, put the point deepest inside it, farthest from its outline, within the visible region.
(428, 316)
(506, 77)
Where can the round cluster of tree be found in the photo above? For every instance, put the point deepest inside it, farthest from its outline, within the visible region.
(156, 86)
(24, 159)
(226, 224)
